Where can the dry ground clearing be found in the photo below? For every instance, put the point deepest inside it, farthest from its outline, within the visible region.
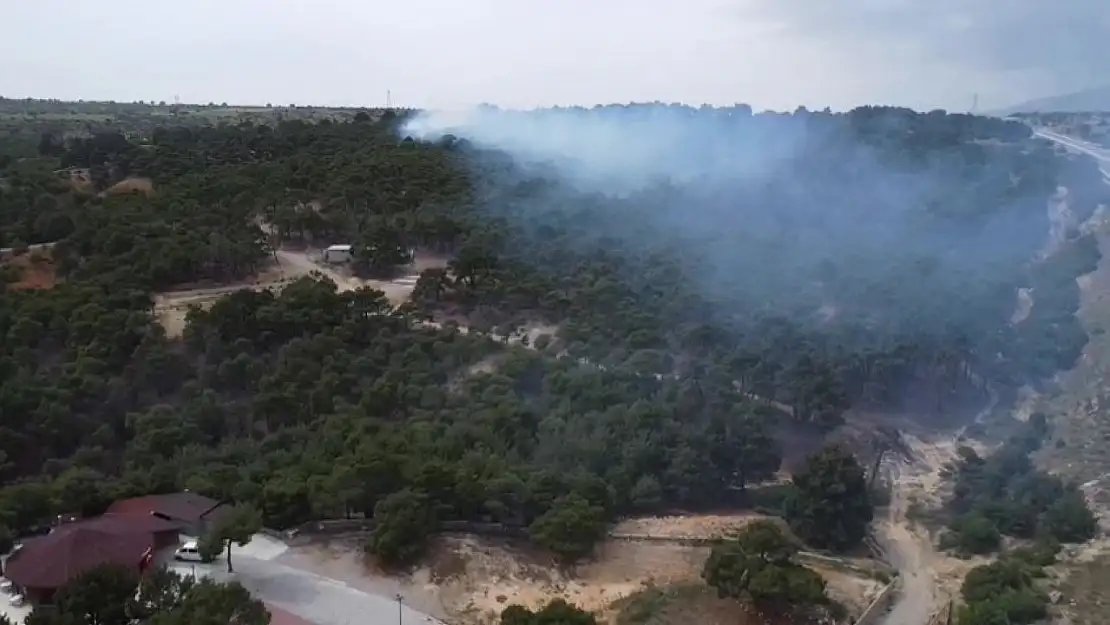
(287, 266)
(470, 579)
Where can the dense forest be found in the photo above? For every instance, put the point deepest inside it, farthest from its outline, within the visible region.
(315, 402)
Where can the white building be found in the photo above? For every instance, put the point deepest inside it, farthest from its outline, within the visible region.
(337, 254)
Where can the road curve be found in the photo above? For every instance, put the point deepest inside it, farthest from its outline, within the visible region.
(1099, 153)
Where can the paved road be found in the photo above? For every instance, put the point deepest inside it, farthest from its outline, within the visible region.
(1097, 152)
(315, 598)
(312, 597)
(319, 599)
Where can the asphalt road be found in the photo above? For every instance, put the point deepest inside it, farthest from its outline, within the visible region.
(315, 598)
(1099, 153)
(319, 599)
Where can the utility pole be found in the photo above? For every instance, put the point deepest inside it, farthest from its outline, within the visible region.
(388, 99)
(399, 604)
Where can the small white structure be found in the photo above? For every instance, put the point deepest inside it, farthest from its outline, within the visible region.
(337, 254)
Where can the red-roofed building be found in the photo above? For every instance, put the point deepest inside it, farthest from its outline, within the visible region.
(44, 564)
(283, 617)
(194, 513)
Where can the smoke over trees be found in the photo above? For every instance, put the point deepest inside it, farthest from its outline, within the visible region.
(820, 260)
(712, 274)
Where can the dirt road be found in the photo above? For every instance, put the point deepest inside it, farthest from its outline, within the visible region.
(300, 263)
(909, 547)
(909, 553)
(172, 307)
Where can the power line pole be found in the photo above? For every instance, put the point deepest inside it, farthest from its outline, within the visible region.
(399, 604)
(388, 99)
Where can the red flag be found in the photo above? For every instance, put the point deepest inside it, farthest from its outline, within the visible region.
(148, 557)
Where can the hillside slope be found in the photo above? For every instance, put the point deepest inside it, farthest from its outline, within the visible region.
(1088, 100)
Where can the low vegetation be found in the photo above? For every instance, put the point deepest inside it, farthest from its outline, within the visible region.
(758, 567)
(557, 612)
(1005, 591)
(1004, 495)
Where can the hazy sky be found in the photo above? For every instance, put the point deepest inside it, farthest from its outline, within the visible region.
(523, 53)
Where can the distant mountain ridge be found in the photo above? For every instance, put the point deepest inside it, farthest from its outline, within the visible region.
(1085, 101)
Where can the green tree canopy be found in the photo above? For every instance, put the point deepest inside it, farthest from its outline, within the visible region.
(830, 506)
(556, 612)
(757, 566)
(403, 522)
(570, 527)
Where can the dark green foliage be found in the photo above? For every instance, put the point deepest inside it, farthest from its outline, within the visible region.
(213, 603)
(557, 612)
(112, 595)
(236, 528)
(1069, 519)
(1002, 593)
(314, 403)
(403, 523)
(7, 539)
(570, 527)
(101, 596)
(210, 546)
(830, 507)
(1005, 494)
(973, 534)
(757, 566)
(1041, 554)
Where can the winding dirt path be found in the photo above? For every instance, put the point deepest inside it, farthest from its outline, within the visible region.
(909, 547)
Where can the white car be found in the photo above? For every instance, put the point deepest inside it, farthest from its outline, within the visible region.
(189, 552)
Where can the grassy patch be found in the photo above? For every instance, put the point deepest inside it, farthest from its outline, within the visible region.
(681, 605)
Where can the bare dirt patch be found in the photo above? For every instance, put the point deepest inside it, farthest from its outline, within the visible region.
(471, 579)
(1080, 578)
(424, 259)
(699, 526)
(140, 186)
(80, 180)
(397, 291)
(172, 307)
(36, 272)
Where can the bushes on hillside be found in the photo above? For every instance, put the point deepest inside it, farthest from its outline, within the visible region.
(1004, 592)
(1003, 494)
(758, 566)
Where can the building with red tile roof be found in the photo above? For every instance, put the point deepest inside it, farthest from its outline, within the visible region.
(284, 617)
(195, 513)
(44, 564)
